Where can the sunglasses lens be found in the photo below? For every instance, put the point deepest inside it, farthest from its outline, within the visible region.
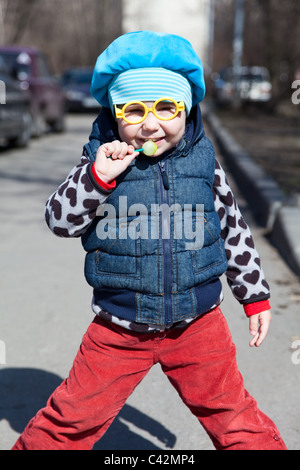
(166, 109)
(134, 112)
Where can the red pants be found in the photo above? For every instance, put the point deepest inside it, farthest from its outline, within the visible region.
(199, 361)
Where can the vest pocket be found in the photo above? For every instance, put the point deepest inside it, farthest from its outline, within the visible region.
(207, 260)
(116, 261)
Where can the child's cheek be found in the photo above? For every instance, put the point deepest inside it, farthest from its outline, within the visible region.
(127, 132)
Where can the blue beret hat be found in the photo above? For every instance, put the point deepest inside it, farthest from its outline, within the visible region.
(143, 49)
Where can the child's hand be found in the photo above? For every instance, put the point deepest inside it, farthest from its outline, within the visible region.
(259, 326)
(112, 159)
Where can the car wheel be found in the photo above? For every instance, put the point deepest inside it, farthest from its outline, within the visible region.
(22, 140)
(39, 125)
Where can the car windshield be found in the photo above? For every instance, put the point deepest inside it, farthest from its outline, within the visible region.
(251, 77)
(77, 77)
(18, 64)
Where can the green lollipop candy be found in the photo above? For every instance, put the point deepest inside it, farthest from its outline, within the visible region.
(149, 148)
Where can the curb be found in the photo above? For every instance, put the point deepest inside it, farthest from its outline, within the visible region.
(281, 221)
(286, 236)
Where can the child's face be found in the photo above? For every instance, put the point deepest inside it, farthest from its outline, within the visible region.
(166, 134)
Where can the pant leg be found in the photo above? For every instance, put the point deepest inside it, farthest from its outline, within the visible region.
(109, 365)
(201, 365)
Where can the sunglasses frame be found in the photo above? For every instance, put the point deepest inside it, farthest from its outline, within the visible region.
(119, 113)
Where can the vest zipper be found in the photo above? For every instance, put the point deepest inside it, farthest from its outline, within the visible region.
(167, 247)
(164, 176)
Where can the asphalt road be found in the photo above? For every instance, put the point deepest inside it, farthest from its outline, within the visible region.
(45, 309)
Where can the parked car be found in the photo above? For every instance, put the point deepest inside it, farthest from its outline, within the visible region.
(253, 85)
(29, 66)
(76, 83)
(15, 116)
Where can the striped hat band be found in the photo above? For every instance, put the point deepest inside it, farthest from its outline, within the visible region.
(149, 84)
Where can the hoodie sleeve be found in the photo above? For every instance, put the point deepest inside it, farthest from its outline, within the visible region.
(73, 206)
(244, 273)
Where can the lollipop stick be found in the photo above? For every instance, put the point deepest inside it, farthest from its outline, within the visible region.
(136, 150)
(149, 148)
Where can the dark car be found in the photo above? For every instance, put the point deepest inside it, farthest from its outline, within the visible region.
(29, 66)
(15, 116)
(76, 83)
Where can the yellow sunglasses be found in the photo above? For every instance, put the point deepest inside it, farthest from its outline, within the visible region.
(135, 112)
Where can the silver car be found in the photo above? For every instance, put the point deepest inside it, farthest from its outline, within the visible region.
(253, 85)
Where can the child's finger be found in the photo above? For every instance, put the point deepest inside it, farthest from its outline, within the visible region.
(254, 340)
(131, 155)
(253, 324)
(263, 331)
(253, 329)
(123, 150)
(116, 150)
(105, 150)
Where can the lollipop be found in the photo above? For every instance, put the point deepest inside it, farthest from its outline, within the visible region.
(149, 148)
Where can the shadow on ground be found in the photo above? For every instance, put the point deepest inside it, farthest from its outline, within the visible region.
(24, 391)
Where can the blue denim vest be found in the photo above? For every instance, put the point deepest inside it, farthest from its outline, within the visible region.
(142, 257)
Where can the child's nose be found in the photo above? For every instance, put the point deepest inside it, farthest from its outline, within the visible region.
(151, 122)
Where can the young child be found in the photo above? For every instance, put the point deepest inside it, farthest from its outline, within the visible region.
(159, 231)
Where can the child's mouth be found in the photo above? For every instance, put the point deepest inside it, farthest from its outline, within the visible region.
(156, 140)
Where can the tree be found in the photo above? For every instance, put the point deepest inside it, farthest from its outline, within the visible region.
(281, 23)
(71, 33)
(271, 39)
